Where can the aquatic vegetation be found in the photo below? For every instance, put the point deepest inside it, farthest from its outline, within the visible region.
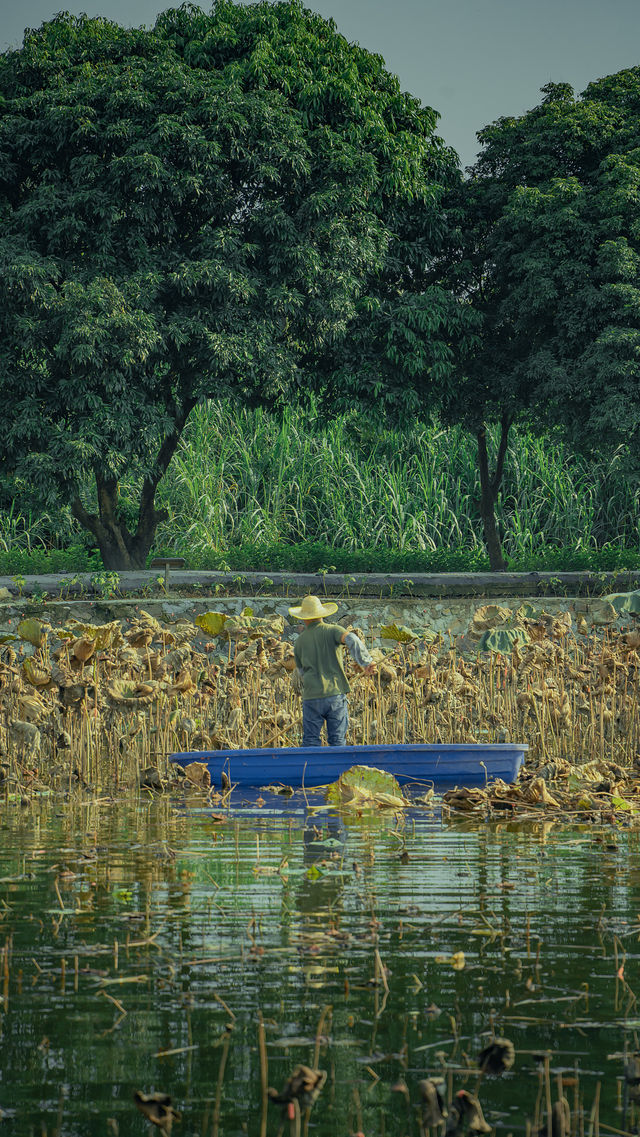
(101, 704)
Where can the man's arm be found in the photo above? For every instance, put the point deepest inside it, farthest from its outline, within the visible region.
(358, 652)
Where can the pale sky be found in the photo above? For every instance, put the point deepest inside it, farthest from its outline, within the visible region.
(472, 60)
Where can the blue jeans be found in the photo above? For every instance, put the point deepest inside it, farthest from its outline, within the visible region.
(333, 711)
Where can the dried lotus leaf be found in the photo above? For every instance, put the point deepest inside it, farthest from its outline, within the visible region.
(182, 634)
(33, 631)
(362, 786)
(30, 707)
(237, 627)
(151, 622)
(386, 674)
(184, 681)
(139, 637)
(537, 791)
(400, 633)
(35, 675)
(104, 635)
(60, 675)
(83, 648)
(465, 800)
(126, 692)
(198, 773)
(74, 693)
(489, 616)
(603, 613)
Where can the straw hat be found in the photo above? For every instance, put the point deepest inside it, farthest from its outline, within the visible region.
(312, 608)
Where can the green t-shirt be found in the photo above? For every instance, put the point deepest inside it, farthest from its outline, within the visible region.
(318, 654)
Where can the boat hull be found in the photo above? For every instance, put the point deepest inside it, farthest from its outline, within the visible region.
(443, 765)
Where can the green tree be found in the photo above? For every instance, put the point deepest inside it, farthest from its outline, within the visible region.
(196, 210)
(550, 258)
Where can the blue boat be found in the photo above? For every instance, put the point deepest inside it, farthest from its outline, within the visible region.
(442, 765)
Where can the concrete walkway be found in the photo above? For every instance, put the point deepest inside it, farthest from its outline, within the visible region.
(151, 583)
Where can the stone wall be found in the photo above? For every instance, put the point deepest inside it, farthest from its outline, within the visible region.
(450, 616)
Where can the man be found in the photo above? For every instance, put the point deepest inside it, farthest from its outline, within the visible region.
(318, 656)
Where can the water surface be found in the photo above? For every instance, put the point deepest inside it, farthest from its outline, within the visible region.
(154, 946)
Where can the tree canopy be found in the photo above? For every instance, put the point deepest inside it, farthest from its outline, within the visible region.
(550, 256)
(198, 209)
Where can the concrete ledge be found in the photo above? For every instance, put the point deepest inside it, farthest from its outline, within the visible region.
(89, 586)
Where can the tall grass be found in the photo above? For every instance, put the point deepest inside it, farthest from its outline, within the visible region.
(242, 475)
(246, 478)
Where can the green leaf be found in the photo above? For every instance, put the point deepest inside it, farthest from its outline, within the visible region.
(502, 639)
(365, 786)
(398, 632)
(211, 622)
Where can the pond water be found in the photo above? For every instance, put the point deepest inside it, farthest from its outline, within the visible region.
(165, 946)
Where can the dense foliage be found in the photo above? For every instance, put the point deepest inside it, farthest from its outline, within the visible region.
(551, 257)
(198, 209)
(408, 501)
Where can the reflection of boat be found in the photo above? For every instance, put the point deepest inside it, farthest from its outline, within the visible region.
(444, 765)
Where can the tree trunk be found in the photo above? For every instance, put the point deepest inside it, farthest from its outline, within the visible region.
(121, 550)
(489, 486)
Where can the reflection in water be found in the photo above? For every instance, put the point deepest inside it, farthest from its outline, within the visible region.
(152, 948)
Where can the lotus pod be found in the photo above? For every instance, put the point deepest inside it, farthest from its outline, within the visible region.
(83, 648)
(35, 675)
(33, 631)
